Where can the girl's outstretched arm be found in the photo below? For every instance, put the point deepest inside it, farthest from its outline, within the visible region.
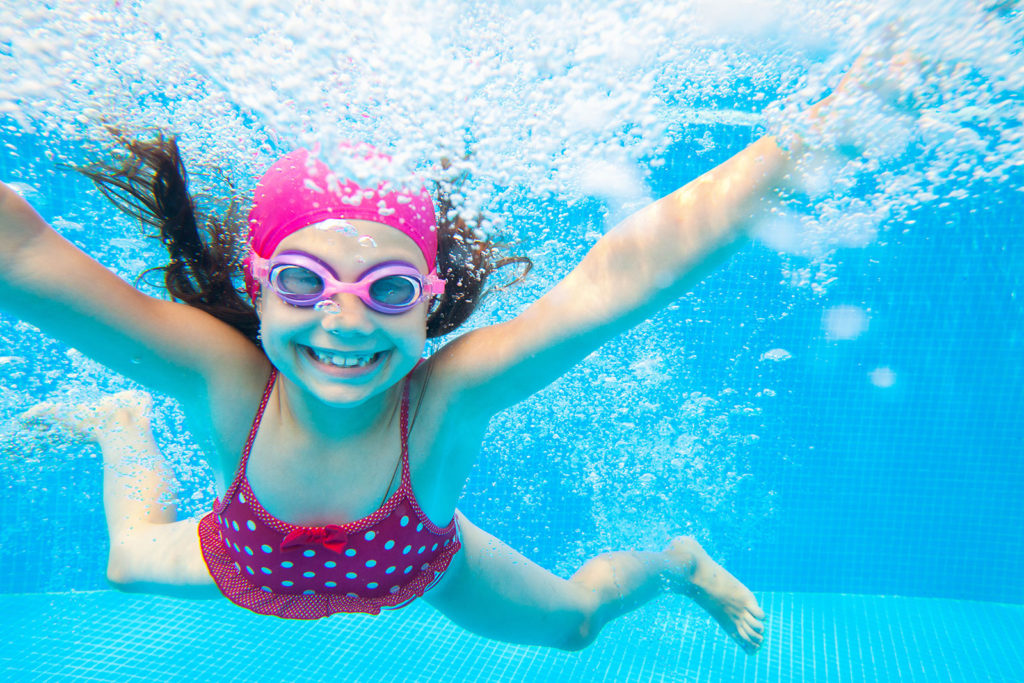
(641, 265)
(172, 348)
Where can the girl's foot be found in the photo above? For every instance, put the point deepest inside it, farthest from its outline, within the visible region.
(86, 422)
(717, 591)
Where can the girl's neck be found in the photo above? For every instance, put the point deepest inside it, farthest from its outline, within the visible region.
(306, 415)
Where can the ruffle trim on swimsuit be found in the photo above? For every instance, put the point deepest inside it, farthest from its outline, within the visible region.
(239, 589)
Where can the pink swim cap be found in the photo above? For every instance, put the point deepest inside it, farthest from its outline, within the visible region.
(300, 190)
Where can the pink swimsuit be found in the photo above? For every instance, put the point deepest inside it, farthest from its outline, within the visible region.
(384, 560)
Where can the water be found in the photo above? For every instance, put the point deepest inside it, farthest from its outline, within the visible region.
(835, 412)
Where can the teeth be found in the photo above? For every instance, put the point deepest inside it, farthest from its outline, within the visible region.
(343, 360)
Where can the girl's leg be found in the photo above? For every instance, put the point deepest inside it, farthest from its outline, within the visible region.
(494, 591)
(149, 550)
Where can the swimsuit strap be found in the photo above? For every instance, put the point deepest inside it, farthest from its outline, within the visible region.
(404, 422)
(259, 418)
(240, 472)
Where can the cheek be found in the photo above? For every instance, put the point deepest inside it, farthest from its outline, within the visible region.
(412, 329)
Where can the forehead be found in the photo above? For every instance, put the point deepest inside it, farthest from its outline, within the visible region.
(347, 242)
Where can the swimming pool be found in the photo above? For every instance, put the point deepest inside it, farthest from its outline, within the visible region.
(842, 427)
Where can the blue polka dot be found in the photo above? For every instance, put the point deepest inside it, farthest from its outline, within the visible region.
(248, 550)
(419, 527)
(404, 521)
(250, 570)
(251, 524)
(372, 585)
(389, 545)
(265, 570)
(371, 563)
(393, 590)
(420, 551)
(390, 570)
(266, 548)
(350, 552)
(330, 584)
(309, 553)
(407, 569)
(241, 497)
(287, 583)
(268, 589)
(350, 575)
(369, 535)
(307, 592)
(406, 549)
(435, 547)
(308, 575)
(287, 565)
(330, 564)
(234, 525)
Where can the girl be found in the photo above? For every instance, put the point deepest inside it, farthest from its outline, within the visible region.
(340, 454)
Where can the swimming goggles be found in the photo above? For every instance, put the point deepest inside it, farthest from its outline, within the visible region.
(301, 279)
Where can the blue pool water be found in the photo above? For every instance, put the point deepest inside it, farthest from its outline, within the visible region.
(842, 425)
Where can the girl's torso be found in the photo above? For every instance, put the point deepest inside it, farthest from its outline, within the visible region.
(319, 483)
(312, 569)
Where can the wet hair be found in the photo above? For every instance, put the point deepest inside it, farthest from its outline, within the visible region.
(206, 250)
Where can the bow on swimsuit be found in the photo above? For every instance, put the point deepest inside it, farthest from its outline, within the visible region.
(266, 565)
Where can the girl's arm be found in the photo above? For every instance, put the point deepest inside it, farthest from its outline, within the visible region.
(169, 347)
(643, 264)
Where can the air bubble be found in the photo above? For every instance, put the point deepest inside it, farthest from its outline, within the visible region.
(327, 306)
(367, 241)
(339, 225)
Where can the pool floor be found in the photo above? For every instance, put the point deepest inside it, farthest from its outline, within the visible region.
(820, 638)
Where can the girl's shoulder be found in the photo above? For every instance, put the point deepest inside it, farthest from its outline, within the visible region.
(225, 413)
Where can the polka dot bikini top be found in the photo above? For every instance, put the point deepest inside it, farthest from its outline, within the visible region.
(384, 560)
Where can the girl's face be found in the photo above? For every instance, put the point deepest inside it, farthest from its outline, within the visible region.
(342, 351)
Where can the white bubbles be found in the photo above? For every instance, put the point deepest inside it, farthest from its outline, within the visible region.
(780, 231)
(65, 226)
(610, 181)
(882, 377)
(776, 355)
(367, 241)
(327, 306)
(844, 322)
(26, 191)
(338, 225)
(739, 16)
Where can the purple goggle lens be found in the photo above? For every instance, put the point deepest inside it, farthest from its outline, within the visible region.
(301, 279)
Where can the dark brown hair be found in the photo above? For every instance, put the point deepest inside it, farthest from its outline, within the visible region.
(206, 250)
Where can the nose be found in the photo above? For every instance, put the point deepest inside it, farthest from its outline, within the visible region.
(345, 314)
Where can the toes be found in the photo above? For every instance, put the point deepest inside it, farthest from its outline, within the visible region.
(749, 637)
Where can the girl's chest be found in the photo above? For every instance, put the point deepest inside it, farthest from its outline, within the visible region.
(316, 487)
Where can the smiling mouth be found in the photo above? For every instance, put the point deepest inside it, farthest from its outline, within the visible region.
(344, 360)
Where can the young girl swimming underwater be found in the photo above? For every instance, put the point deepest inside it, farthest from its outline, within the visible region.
(339, 453)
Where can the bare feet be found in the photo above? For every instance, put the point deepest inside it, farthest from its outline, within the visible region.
(86, 422)
(717, 591)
